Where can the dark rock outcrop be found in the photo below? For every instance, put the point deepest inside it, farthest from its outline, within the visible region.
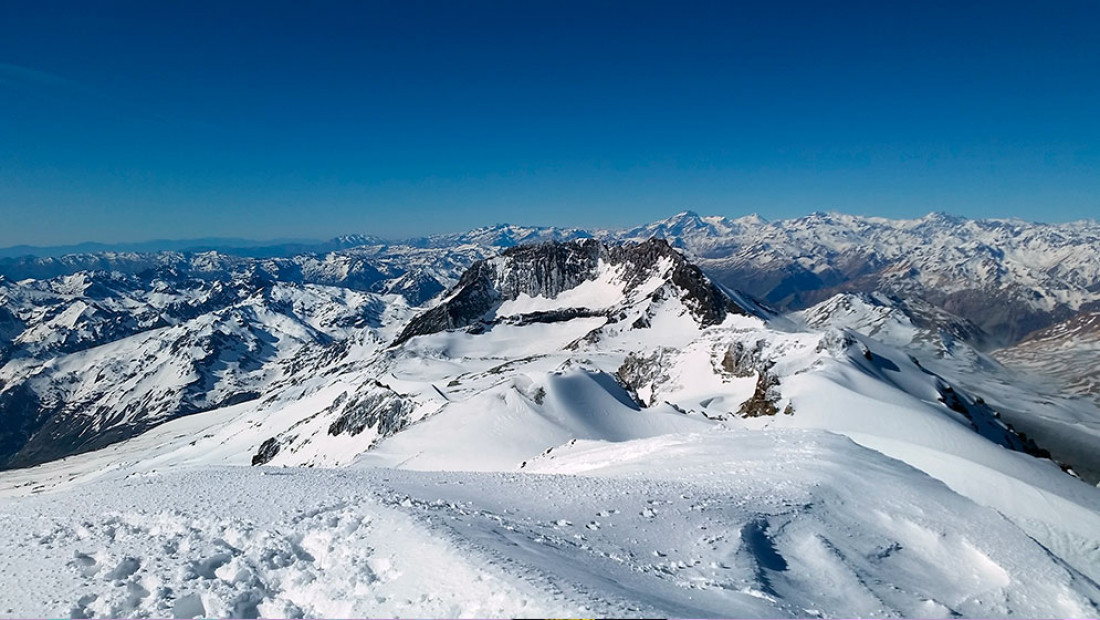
(268, 450)
(765, 399)
(379, 407)
(548, 269)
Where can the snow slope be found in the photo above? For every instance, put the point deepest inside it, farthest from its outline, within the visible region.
(1047, 407)
(102, 393)
(564, 412)
(723, 523)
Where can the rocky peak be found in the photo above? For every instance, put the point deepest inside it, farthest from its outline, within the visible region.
(548, 269)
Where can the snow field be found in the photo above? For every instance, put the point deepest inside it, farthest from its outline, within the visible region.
(244, 544)
(715, 524)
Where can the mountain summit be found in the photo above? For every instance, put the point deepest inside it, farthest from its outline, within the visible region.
(555, 281)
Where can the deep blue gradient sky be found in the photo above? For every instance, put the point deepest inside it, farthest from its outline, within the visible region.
(127, 121)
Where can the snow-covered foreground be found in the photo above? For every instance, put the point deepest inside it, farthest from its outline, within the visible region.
(719, 523)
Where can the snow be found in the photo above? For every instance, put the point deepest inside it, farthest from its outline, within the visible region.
(599, 466)
(242, 543)
(1043, 392)
(498, 429)
(720, 523)
(586, 502)
(1062, 356)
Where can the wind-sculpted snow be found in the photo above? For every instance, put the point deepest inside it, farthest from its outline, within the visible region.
(719, 524)
(214, 543)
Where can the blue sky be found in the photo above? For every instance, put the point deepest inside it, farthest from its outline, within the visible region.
(128, 121)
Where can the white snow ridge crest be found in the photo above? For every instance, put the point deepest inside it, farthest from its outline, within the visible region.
(560, 429)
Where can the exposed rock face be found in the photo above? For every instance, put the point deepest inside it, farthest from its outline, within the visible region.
(268, 450)
(986, 422)
(742, 361)
(379, 407)
(548, 269)
(642, 375)
(765, 399)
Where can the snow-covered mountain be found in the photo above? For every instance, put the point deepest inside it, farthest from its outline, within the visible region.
(635, 437)
(1009, 277)
(89, 375)
(553, 281)
(499, 236)
(1035, 406)
(910, 323)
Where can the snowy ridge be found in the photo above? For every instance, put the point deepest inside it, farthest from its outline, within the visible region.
(1008, 277)
(771, 524)
(498, 236)
(895, 321)
(93, 396)
(450, 386)
(1037, 405)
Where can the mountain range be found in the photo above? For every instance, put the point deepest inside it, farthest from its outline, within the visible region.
(722, 364)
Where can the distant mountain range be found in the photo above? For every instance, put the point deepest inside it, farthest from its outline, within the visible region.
(1007, 277)
(225, 245)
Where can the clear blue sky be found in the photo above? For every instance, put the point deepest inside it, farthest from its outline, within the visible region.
(126, 121)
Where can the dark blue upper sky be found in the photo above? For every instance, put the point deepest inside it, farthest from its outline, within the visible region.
(125, 121)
